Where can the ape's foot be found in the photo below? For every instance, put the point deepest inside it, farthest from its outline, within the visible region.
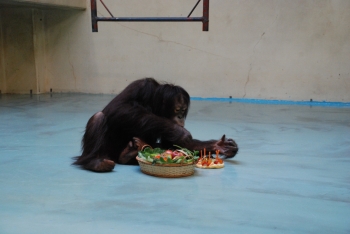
(138, 143)
(128, 155)
(100, 165)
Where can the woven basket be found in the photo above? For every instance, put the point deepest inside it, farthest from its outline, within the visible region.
(166, 170)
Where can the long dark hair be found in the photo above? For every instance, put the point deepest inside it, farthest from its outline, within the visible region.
(166, 96)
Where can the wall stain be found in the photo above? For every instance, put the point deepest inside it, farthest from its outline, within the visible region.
(71, 64)
(251, 64)
(174, 42)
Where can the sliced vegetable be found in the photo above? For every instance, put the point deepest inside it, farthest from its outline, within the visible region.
(217, 159)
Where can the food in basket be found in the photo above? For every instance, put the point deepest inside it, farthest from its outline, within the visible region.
(167, 163)
(206, 162)
(161, 156)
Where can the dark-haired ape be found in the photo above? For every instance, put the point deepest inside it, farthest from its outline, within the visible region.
(144, 112)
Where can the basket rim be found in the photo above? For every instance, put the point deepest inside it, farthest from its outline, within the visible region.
(165, 164)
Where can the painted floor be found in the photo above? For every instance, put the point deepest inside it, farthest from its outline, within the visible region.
(291, 175)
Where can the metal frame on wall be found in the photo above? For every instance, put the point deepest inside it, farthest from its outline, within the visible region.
(204, 19)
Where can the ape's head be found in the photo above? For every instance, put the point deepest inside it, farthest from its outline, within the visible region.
(172, 102)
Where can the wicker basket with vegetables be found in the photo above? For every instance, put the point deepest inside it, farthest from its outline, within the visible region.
(167, 163)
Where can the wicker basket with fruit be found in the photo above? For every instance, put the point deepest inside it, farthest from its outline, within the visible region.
(167, 163)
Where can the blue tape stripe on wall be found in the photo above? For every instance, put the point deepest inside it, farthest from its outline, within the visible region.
(274, 102)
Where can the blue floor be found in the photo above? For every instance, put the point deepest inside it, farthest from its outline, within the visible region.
(291, 175)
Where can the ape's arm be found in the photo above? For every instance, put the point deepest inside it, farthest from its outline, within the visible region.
(174, 134)
(227, 147)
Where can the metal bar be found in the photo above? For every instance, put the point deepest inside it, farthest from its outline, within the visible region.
(94, 16)
(106, 8)
(205, 15)
(193, 8)
(204, 19)
(151, 19)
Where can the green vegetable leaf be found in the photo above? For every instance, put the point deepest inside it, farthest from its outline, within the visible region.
(162, 160)
(169, 160)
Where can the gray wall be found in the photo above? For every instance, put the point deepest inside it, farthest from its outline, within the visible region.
(267, 49)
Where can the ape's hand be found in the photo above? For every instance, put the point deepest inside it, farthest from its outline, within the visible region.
(227, 147)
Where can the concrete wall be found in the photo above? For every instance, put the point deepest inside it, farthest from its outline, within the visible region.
(268, 49)
(18, 51)
(23, 43)
(61, 4)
